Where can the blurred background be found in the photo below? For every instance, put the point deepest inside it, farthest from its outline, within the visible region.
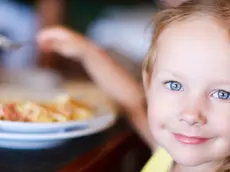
(120, 27)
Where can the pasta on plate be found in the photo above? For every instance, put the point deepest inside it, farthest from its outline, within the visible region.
(63, 109)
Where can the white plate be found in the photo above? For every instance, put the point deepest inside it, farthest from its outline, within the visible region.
(31, 127)
(39, 141)
(99, 118)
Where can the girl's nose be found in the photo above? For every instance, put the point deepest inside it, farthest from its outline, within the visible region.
(193, 118)
(193, 114)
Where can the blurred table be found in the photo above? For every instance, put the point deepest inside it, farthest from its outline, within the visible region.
(117, 149)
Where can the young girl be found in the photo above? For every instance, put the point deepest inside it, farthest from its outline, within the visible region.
(187, 83)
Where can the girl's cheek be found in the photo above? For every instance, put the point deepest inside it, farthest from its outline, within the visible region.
(153, 116)
(156, 107)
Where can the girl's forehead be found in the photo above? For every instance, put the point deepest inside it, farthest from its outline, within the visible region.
(196, 28)
(193, 46)
(195, 36)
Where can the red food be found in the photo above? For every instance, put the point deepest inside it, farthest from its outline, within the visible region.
(11, 114)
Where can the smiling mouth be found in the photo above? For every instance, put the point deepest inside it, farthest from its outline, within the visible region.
(193, 140)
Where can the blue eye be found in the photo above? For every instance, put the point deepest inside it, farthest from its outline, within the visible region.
(174, 86)
(221, 94)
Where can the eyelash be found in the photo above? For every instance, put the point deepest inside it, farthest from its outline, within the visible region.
(216, 94)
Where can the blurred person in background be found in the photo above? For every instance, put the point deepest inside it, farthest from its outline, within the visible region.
(18, 22)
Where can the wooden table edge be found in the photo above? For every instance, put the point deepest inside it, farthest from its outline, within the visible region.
(93, 158)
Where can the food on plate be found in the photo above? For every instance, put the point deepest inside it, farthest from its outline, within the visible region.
(63, 109)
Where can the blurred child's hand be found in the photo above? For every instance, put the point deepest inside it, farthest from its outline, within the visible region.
(62, 41)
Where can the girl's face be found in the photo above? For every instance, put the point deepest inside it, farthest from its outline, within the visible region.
(189, 95)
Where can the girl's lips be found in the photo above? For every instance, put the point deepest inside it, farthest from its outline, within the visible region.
(190, 140)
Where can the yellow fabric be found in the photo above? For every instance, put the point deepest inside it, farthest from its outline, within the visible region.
(161, 161)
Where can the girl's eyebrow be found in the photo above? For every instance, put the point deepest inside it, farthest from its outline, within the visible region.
(168, 73)
(222, 82)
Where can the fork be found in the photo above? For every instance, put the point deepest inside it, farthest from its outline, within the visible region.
(7, 44)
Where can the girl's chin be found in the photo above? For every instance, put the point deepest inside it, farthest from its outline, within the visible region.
(189, 160)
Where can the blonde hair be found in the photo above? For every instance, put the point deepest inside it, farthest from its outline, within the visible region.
(216, 9)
